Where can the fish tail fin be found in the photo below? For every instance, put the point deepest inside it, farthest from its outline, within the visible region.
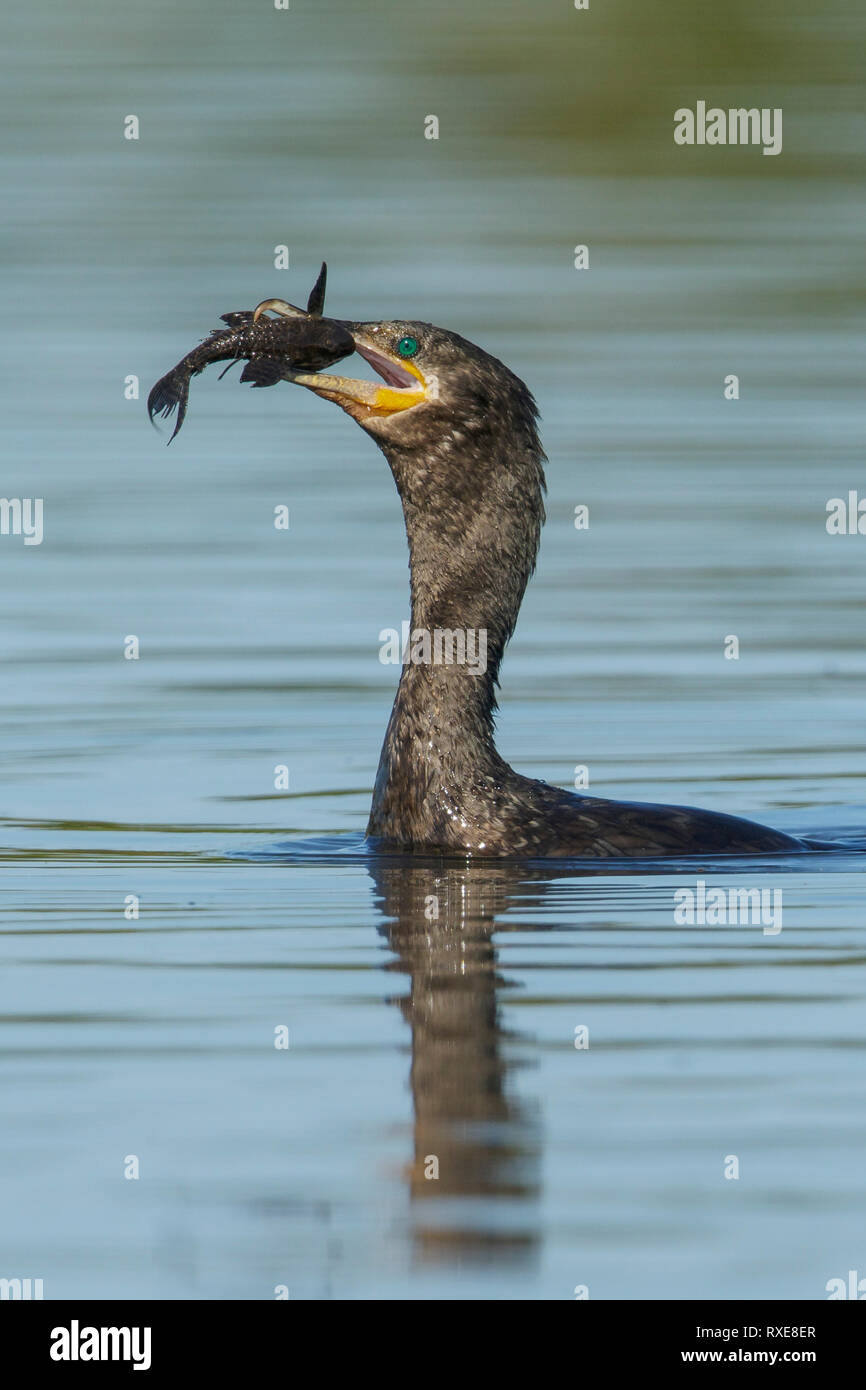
(170, 394)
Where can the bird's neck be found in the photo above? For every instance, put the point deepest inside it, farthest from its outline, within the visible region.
(470, 559)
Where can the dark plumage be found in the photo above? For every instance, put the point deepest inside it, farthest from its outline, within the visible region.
(468, 463)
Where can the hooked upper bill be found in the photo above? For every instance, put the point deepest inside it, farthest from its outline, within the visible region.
(404, 386)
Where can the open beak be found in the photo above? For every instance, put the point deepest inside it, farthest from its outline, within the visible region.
(404, 384)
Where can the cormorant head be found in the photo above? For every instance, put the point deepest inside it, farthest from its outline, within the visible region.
(433, 383)
(459, 431)
(415, 361)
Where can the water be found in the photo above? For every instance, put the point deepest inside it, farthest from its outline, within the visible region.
(260, 909)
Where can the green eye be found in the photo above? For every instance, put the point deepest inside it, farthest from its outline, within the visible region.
(407, 347)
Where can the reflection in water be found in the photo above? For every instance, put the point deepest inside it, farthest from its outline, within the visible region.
(440, 922)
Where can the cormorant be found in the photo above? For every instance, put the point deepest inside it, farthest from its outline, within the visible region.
(460, 433)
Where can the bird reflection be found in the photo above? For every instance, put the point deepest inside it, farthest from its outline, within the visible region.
(473, 1139)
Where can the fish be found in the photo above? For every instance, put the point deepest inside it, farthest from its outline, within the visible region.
(303, 341)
